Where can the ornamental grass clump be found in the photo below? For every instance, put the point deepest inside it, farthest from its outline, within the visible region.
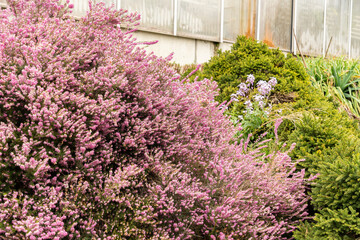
(338, 79)
(99, 139)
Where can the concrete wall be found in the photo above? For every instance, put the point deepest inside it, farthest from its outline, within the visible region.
(2, 3)
(186, 50)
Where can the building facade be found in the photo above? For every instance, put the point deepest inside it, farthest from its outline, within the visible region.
(195, 29)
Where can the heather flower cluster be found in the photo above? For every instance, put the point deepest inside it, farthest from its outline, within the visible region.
(100, 140)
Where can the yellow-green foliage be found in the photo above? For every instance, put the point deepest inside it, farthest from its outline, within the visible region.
(323, 136)
(339, 224)
(246, 56)
(326, 137)
(331, 150)
(339, 184)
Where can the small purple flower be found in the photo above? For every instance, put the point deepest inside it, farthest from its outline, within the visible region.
(258, 98)
(243, 88)
(261, 104)
(272, 81)
(264, 87)
(261, 82)
(240, 93)
(250, 79)
(234, 97)
(248, 104)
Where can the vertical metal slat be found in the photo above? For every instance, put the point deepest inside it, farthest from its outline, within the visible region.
(350, 26)
(258, 13)
(222, 21)
(175, 16)
(324, 36)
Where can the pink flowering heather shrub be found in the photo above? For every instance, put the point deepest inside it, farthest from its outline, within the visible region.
(99, 140)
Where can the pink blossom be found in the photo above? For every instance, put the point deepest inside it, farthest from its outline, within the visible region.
(101, 140)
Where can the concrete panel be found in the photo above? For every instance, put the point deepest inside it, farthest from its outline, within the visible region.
(204, 51)
(225, 46)
(186, 50)
(3, 3)
(183, 48)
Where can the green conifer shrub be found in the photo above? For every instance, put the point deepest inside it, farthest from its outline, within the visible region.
(327, 138)
(339, 224)
(339, 184)
(323, 137)
(336, 197)
(247, 56)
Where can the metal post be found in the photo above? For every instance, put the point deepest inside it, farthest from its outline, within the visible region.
(258, 13)
(222, 21)
(324, 40)
(293, 28)
(175, 16)
(350, 26)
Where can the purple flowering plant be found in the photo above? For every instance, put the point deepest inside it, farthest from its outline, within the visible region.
(100, 140)
(256, 103)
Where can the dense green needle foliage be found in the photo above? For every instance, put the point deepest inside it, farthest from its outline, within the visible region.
(230, 68)
(313, 118)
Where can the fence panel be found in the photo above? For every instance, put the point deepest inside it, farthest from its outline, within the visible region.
(337, 27)
(156, 15)
(310, 26)
(199, 19)
(239, 19)
(355, 30)
(3, 3)
(82, 6)
(275, 23)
